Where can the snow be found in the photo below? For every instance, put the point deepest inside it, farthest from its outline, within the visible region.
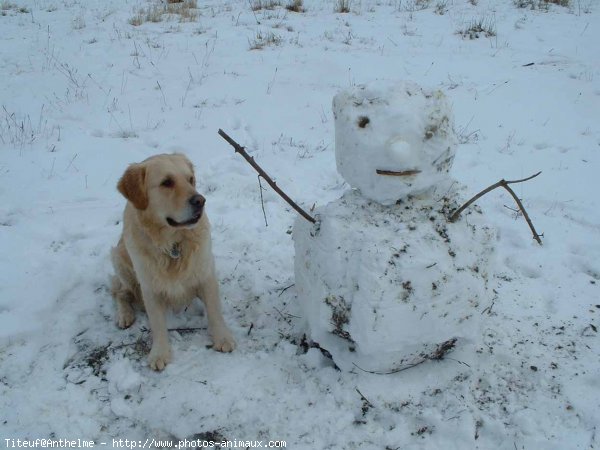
(398, 127)
(84, 93)
(382, 285)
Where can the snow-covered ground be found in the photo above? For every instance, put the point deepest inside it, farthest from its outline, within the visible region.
(84, 93)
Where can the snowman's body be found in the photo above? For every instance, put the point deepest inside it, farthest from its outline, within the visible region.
(382, 277)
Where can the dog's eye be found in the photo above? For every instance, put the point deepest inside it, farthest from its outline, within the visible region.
(192, 181)
(168, 183)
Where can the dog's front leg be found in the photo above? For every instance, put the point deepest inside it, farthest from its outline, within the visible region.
(222, 338)
(160, 354)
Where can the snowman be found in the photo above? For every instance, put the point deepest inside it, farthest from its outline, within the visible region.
(382, 276)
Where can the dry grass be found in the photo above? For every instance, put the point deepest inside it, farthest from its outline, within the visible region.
(6, 6)
(540, 4)
(263, 40)
(295, 6)
(342, 6)
(183, 10)
(441, 7)
(257, 5)
(477, 28)
(414, 5)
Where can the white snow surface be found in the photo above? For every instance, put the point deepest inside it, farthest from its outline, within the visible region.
(383, 285)
(393, 126)
(84, 93)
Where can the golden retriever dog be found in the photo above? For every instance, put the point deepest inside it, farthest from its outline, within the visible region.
(164, 258)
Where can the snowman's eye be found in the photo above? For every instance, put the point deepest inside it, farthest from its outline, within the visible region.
(363, 121)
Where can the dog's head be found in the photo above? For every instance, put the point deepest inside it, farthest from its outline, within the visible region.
(164, 187)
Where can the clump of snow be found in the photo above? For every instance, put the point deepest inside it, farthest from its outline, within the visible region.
(122, 380)
(396, 127)
(122, 377)
(382, 285)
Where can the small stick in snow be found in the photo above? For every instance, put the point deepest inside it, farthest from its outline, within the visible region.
(505, 184)
(282, 290)
(488, 309)
(437, 355)
(460, 362)
(515, 210)
(239, 149)
(393, 173)
(262, 203)
(366, 403)
(289, 317)
(163, 94)
(186, 330)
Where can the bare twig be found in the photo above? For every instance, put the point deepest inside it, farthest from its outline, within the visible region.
(71, 162)
(458, 361)
(286, 319)
(239, 149)
(536, 236)
(515, 210)
(282, 290)
(505, 184)
(399, 369)
(186, 90)
(262, 203)
(403, 173)
(438, 354)
(365, 400)
(163, 94)
(488, 309)
(186, 330)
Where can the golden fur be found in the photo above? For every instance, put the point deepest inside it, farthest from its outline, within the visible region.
(164, 258)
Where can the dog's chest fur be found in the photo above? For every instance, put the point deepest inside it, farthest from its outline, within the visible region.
(175, 279)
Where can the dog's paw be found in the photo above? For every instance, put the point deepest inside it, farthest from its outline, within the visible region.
(223, 341)
(159, 358)
(125, 318)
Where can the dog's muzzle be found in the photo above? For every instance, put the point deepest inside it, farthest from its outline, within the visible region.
(196, 202)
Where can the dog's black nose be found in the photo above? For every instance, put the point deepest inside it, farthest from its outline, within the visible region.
(197, 201)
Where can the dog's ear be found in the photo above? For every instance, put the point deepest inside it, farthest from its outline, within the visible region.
(133, 186)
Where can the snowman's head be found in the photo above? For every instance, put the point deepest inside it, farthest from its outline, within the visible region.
(393, 139)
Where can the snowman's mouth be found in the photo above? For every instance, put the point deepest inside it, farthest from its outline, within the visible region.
(398, 173)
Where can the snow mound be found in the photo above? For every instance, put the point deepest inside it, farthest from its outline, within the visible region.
(122, 380)
(398, 127)
(381, 286)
